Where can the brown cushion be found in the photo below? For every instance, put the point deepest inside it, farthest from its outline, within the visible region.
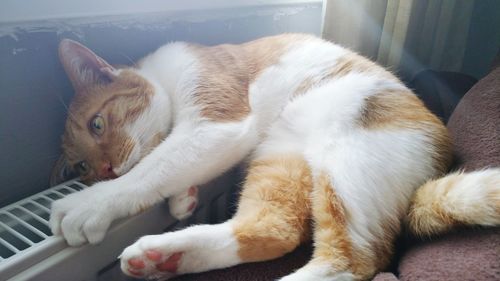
(475, 125)
(467, 254)
(471, 254)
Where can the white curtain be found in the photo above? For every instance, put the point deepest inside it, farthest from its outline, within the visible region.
(404, 35)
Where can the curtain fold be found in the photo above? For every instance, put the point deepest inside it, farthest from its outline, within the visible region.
(404, 35)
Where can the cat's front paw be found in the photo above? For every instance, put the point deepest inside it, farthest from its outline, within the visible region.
(150, 257)
(184, 204)
(82, 217)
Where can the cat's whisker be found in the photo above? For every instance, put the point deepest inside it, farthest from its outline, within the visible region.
(65, 106)
(134, 64)
(63, 103)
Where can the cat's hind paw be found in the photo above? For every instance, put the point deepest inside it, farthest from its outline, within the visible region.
(184, 204)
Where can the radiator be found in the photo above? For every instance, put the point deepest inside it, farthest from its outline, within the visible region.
(29, 251)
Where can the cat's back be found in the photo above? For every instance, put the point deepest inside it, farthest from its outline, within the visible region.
(320, 95)
(235, 79)
(227, 71)
(228, 82)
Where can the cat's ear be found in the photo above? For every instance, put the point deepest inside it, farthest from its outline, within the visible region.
(61, 171)
(83, 67)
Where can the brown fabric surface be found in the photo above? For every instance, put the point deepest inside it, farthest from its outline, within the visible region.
(467, 254)
(259, 271)
(475, 125)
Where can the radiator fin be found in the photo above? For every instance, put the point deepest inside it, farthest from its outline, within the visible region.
(26, 222)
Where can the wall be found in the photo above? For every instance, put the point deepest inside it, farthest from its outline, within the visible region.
(34, 90)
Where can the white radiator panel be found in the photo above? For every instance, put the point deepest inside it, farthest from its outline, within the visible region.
(29, 251)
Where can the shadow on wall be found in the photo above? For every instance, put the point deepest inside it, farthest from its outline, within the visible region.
(35, 91)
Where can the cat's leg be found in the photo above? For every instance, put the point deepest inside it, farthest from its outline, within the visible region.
(337, 256)
(182, 205)
(272, 219)
(193, 154)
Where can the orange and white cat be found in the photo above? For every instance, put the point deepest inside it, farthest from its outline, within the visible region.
(330, 137)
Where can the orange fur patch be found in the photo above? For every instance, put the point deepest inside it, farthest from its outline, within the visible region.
(383, 248)
(333, 244)
(402, 109)
(273, 213)
(396, 108)
(344, 65)
(427, 215)
(227, 71)
(331, 240)
(119, 102)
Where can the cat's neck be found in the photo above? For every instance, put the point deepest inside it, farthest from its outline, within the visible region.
(167, 65)
(167, 68)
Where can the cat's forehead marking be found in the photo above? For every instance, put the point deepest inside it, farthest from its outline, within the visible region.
(119, 102)
(128, 92)
(111, 101)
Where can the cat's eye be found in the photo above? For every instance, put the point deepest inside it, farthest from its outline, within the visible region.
(82, 168)
(97, 125)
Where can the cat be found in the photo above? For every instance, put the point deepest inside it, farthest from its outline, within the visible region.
(329, 136)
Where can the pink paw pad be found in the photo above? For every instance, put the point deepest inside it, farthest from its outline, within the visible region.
(153, 263)
(192, 191)
(153, 255)
(171, 263)
(136, 263)
(135, 272)
(192, 206)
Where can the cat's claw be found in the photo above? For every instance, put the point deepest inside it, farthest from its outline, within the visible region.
(183, 205)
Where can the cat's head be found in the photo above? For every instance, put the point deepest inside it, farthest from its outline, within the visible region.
(113, 120)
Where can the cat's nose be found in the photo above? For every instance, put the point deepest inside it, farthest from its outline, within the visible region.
(106, 171)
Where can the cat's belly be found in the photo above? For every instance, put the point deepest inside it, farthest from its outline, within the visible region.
(373, 171)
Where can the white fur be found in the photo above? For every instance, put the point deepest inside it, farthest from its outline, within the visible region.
(319, 124)
(374, 172)
(275, 87)
(155, 119)
(204, 247)
(201, 151)
(318, 272)
(179, 204)
(475, 199)
(89, 221)
(196, 151)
